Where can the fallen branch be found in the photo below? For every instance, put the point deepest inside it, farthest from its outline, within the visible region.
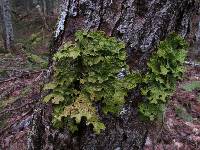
(7, 128)
(192, 63)
(7, 92)
(9, 110)
(21, 76)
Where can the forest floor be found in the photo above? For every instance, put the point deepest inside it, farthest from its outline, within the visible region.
(21, 82)
(21, 78)
(180, 126)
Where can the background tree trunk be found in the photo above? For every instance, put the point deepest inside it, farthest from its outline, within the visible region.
(44, 6)
(50, 6)
(8, 35)
(141, 24)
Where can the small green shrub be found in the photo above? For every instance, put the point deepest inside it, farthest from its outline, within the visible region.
(182, 113)
(198, 98)
(37, 60)
(189, 87)
(87, 72)
(165, 67)
(34, 40)
(3, 51)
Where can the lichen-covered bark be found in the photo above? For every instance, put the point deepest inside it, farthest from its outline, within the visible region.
(194, 36)
(141, 24)
(8, 35)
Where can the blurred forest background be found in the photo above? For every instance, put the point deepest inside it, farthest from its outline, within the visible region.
(32, 23)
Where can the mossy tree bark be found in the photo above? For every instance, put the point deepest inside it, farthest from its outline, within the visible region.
(141, 24)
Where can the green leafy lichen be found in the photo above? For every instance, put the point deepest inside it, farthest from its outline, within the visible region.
(86, 72)
(165, 67)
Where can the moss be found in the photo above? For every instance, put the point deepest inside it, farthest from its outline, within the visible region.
(194, 85)
(3, 73)
(183, 114)
(3, 51)
(3, 123)
(25, 91)
(37, 60)
(198, 98)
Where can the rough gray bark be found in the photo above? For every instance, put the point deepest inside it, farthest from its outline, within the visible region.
(141, 24)
(194, 37)
(8, 35)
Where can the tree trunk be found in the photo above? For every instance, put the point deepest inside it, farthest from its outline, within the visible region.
(28, 6)
(141, 24)
(44, 6)
(50, 7)
(8, 35)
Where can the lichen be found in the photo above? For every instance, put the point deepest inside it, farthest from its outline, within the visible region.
(165, 68)
(63, 13)
(93, 69)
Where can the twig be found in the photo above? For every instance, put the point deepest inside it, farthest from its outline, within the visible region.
(38, 77)
(160, 130)
(192, 63)
(9, 110)
(22, 75)
(4, 94)
(3, 130)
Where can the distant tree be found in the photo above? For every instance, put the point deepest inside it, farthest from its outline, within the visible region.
(7, 26)
(50, 6)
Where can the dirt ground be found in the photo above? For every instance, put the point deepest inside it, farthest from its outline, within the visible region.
(20, 88)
